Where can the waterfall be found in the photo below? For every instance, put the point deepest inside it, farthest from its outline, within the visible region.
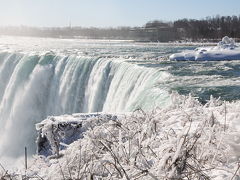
(34, 86)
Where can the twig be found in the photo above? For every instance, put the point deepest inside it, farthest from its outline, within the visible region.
(115, 159)
(2, 167)
(69, 171)
(225, 116)
(61, 171)
(79, 162)
(236, 171)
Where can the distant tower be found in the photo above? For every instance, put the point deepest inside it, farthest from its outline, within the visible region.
(70, 25)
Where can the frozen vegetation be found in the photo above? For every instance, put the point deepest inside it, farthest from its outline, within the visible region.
(225, 50)
(186, 140)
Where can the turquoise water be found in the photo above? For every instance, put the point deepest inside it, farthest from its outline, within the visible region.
(203, 79)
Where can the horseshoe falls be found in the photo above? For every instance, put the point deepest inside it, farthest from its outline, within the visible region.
(36, 86)
(47, 77)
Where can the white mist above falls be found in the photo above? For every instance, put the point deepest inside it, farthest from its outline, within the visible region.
(34, 86)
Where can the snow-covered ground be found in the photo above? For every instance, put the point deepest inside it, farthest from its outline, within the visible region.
(186, 140)
(225, 50)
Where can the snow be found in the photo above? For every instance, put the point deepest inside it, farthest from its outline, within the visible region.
(56, 133)
(186, 140)
(225, 50)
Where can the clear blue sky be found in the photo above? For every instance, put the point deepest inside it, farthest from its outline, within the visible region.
(106, 13)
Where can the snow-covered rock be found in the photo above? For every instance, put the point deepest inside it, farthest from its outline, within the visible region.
(56, 132)
(225, 50)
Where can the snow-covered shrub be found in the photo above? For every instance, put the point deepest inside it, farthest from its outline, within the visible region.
(186, 140)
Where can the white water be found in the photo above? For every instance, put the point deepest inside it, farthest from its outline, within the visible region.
(35, 86)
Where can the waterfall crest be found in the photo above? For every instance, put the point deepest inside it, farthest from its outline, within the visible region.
(33, 87)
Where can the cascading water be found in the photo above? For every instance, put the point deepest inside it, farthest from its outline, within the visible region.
(33, 87)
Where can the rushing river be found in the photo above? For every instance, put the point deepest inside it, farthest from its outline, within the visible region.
(43, 77)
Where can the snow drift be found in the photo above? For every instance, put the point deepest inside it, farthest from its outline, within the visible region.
(225, 50)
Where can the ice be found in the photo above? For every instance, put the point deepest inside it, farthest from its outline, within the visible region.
(227, 43)
(186, 140)
(57, 132)
(225, 50)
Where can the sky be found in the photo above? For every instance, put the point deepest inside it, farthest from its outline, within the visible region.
(109, 13)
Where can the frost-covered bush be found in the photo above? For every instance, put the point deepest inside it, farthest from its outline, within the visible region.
(186, 140)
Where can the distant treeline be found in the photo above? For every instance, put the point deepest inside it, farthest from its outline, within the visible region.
(208, 29)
